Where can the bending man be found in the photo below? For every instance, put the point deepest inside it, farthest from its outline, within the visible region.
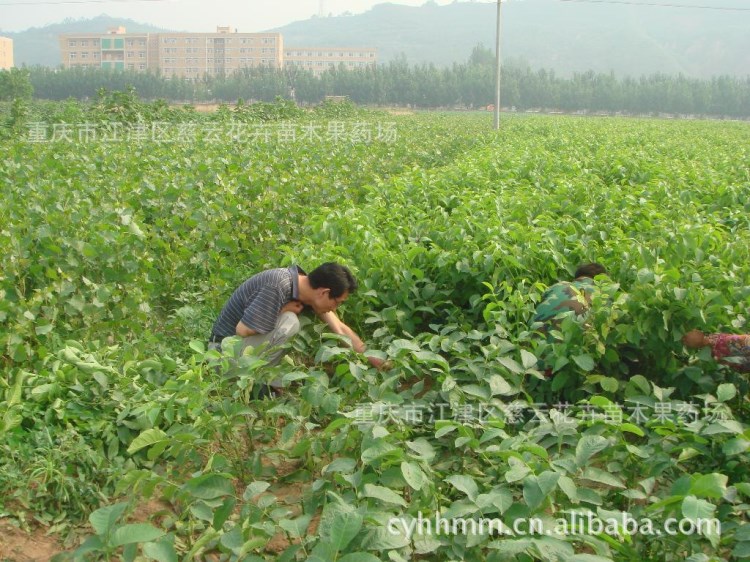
(264, 309)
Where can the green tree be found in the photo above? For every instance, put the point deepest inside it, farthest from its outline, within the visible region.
(482, 56)
(15, 84)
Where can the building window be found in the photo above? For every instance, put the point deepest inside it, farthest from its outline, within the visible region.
(73, 55)
(72, 44)
(131, 54)
(84, 55)
(141, 67)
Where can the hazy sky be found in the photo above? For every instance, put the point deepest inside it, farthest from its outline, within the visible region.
(188, 15)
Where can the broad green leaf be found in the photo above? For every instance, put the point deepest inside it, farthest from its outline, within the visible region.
(378, 451)
(585, 362)
(735, 446)
(498, 385)
(430, 357)
(413, 475)
(551, 548)
(744, 488)
(536, 489)
(609, 384)
(630, 428)
(588, 446)
(104, 518)
(233, 539)
(161, 551)
(359, 557)
(146, 439)
(222, 513)
(384, 494)
(296, 528)
(696, 509)
(465, 484)
(323, 552)
(344, 528)
(255, 488)
(528, 360)
(518, 470)
(197, 346)
(602, 477)
(510, 364)
(709, 486)
(91, 544)
(209, 486)
(726, 392)
(135, 533)
(567, 485)
(380, 539)
(422, 448)
(497, 499)
(341, 464)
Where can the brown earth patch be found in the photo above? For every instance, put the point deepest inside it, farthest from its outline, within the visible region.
(17, 545)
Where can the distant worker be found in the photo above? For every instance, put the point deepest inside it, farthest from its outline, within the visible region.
(264, 309)
(567, 298)
(732, 350)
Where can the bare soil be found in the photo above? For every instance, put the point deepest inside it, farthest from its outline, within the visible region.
(17, 545)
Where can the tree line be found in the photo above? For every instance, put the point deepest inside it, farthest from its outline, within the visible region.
(468, 85)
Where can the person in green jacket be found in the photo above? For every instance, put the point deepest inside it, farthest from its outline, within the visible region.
(567, 298)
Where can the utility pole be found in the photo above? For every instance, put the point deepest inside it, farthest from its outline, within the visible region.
(499, 65)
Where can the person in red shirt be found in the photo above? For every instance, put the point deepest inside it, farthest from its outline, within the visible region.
(732, 350)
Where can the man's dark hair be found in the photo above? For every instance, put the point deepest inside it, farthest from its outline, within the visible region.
(335, 277)
(590, 270)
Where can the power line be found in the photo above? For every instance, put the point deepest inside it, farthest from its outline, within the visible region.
(61, 2)
(660, 5)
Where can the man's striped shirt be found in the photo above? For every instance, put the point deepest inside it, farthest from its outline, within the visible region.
(258, 301)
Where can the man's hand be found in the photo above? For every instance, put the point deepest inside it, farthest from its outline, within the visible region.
(694, 339)
(293, 306)
(380, 364)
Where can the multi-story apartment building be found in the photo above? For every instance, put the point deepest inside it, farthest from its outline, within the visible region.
(179, 55)
(192, 55)
(6, 53)
(320, 59)
(115, 49)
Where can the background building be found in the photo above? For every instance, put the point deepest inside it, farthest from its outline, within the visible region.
(180, 55)
(6, 53)
(320, 59)
(116, 49)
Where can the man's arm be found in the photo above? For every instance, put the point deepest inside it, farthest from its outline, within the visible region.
(243, 330)
(339, 327)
